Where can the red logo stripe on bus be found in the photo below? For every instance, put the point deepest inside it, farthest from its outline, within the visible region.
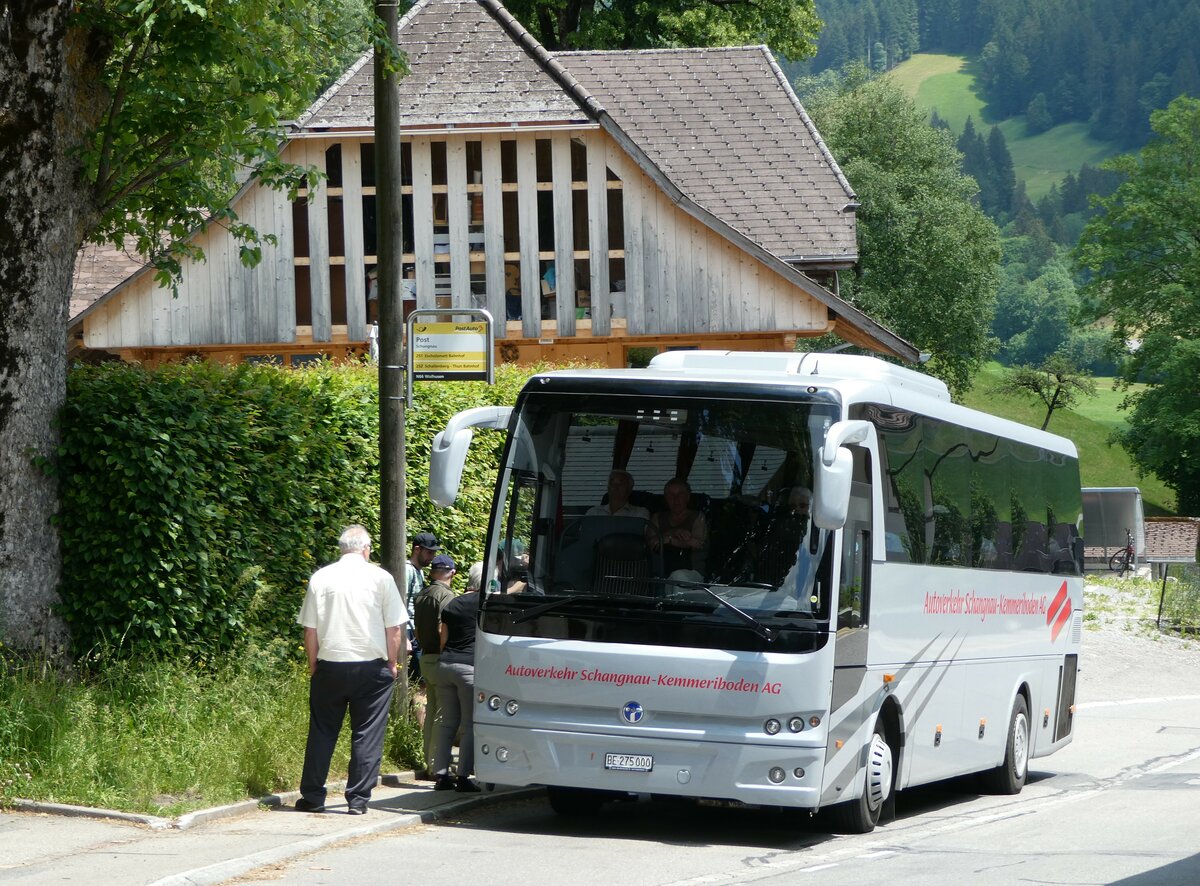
(1059, 599)
(1059, 612)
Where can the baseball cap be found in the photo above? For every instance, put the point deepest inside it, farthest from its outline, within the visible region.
(442, 561)
(427, 540)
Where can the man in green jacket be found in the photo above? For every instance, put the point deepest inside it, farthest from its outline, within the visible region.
(427, 618)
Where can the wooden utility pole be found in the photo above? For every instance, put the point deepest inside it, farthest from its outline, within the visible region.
(391, 311)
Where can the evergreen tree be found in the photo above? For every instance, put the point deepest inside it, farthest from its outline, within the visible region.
(1037, 115)
(1002, 174)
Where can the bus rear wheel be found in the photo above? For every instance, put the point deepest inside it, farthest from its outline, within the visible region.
(859, 816)
(1009, 776)
(575, 802)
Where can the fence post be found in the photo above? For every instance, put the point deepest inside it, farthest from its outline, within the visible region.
(1162, 595)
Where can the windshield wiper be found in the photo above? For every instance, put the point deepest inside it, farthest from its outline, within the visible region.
(549, 606)
(757, 626)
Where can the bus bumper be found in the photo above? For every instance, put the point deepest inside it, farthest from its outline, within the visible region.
(679, 767)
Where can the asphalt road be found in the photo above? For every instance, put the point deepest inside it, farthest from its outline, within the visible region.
(1121, 804)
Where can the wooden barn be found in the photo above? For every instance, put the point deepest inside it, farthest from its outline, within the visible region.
(593, 202)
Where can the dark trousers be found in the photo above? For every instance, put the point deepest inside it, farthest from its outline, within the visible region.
(365, 689)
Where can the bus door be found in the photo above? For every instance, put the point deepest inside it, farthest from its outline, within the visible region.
(855, 550)
(853, 702)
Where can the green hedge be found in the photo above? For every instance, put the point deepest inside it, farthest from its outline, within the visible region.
(198, 498)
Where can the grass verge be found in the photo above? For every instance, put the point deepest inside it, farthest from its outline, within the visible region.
(1147, 602)
(163, 738)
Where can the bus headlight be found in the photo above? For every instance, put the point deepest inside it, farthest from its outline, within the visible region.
(494, 703)
(512, 707)
(776, 775)
(772, 727)
(796, 724)
(502, 754)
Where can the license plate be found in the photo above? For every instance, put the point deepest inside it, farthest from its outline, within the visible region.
(629, 762)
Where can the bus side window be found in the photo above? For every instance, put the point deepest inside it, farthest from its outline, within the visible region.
(854, 585)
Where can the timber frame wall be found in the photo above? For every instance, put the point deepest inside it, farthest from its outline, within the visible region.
(485, 215)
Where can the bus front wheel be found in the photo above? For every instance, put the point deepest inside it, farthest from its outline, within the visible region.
(859, 816)
(1009, 776)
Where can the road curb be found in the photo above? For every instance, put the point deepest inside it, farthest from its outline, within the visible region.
(153, 822)
(188, 819)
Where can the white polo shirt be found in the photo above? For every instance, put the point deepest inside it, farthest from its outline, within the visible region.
(350, 603)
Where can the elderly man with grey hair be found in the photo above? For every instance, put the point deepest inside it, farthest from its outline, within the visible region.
(620, 488)
(353, 619)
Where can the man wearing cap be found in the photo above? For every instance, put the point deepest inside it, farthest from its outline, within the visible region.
(424, 548)
(427, 619)
(353, 621)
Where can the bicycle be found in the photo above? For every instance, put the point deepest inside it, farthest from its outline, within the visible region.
(1123, 559)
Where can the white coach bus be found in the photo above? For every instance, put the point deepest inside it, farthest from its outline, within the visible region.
(923, 622)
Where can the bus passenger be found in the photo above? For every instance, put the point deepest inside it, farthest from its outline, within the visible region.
(681, 532)
(455, 675)
(620, 488)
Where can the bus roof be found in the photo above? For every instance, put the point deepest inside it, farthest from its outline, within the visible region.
(857, 379)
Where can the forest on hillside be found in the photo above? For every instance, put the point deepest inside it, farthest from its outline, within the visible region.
(1108, 63)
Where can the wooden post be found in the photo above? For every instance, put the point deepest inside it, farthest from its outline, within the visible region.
(392, 505)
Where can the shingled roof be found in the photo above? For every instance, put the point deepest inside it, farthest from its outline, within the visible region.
(722, 125)
(726, 128)
(98, 268)
(464, 69)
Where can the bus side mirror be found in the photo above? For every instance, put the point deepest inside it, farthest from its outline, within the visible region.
(835, 473)
(448, 454)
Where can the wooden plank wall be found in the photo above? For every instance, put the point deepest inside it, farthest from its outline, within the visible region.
(679, 277)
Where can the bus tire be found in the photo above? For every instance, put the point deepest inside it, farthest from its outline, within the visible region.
(1009, 777)
(574, 802)
(860, 815)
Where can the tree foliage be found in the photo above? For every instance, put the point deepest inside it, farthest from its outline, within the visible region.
(192, 100)
(928, 257)
(788, 26)
(123, 118)
(1143, 258)
(1055, 381)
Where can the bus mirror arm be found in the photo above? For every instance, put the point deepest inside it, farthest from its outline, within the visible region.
(448, 454)
(840, 434)
(831, 497)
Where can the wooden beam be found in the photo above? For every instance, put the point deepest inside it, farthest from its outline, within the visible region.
(527, 215)
(422, 177)
(493, 232)
(352, 227)
(458, 216)
(596, 144)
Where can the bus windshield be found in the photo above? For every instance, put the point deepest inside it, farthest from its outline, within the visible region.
(667, 520)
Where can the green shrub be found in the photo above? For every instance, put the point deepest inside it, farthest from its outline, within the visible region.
(197, 499)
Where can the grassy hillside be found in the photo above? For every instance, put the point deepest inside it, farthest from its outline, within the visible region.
(945, 83)
(1090, 425)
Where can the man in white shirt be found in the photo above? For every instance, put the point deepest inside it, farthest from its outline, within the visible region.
(620, 488)
(353, 621)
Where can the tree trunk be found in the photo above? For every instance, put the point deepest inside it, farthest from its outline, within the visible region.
(42, 218)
